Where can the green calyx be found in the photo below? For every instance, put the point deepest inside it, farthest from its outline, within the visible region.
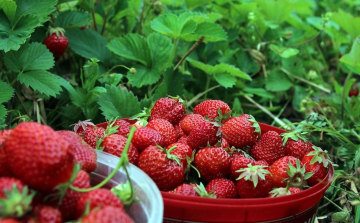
(178, 99)
(82, 124)
(294, 136)
(126, 193)
(221, 118)
(319, 156)
(110, 129)
(57, 30)
(143, 116)
(297, 175)
(201, 190)
(253, 173)
(255, 124)
(189, 165)
(169, 155)
(278, 192)
(16, 204)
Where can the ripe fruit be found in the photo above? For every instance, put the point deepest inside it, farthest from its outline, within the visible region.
(46, 214)
(3, 135)
(163, 168)
(190, 121)
(296, 145)
(269, 147)
(354, 90)
(56, 41)
(107, 214)
(4, 168)
(210, 109)
(206, 133)
(212, 163)
(38, 156)
(144, 137)
(170, 109)
(115, 144)
(182, 151)
(165, 128)
(241, 131)
(186, 190)
(316, 162)
(222, 188)
(282, 191)
(238, 163)
(92, 134)
(124, 127)
(96, 199)
(84, 154)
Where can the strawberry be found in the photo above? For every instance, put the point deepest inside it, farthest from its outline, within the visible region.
(84, 154)
(296, 145)
(69, 201)
(4, 167)
(182, 139)
(282, 191)
(354, 90)
(222, 188)
(162, 166)
(241, 131)
(288, 171)
(210, 109)
(107, 214)
(38, 156)
(179, 132)
(212, 163)
(186, 190)
(316, 162)
(124, 127)
(56, 41)
(181, 151)
(96, 199)
(206, 133)
(165, 128)
(9, 220)
(224, 143)
(269, 147)
(144, 137)
(254, 182)
(80, 126)
(171, 109)
(92, 134)
(7, 183)
(115, 144)
(3, 135)
(238, 163)
(47, 214)
(190, 121)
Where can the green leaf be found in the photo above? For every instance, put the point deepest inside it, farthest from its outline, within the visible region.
(347, 22)
(160, 48)
(133, 47)
(77, 95)
(225, 80)
(174, 26)
(6, 92)
(352, 59)
(117, 102)
(213, 33)
(11, 37)
(9, 8)
(284, 52)
(144, 76)
(33, 56)
(3, 112)
(40, 8)
(88, 43)
(275, 10)
(72, 19)
(174, 82)
(41, 81)
(277, 81)
(259, 92)
(192, 4)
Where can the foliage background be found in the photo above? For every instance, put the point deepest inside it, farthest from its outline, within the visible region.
(282, 61)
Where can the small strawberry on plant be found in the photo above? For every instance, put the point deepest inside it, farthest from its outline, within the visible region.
(56, 41)
(354, 90)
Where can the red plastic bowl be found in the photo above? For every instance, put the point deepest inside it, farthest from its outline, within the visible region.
(295, 208)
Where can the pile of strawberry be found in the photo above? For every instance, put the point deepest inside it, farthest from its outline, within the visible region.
(44, 178)
(211, 153)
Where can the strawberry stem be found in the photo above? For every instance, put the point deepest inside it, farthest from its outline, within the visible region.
(122, 162)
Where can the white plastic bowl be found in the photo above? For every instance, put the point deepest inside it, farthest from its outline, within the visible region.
(150, 209)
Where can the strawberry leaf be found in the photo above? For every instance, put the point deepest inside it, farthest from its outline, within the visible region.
(70, 19)
(6, 92)
(213, 33)
(40, 8)
(117, 102)
(3, 113)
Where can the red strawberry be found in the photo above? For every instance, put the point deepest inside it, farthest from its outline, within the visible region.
(241, 131)
(254, 182)
(212, 163)
(269, 147)
(170, 109)
(288, 171)
(179, 132)
(222, 188)
(107, 214)
(165, 128)
(92, 134)
(316, 162)
(80, 126)
(282, 191)
(182, 139)
(97, 198)
(115, 144)
(7, 183)
(39, 156)
(186, 190)
(209, 109)
(354, 90)
(124, 127)
(164, 168)
(224, 143)
(144, 137)
(181, 151)
(238, 163)
(56, 41)
(4, 168)
(3, 135)
(191, 121)
(206, 133)
(84, 154)
(296, 145)
(9, 220)
(47, 214)
(68, 203)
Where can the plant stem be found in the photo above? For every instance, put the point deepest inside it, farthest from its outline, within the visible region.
(190, 51)
(141, 16)
(120, 163)
(337, 206)
(276, 119)
(173, 53)
(348, 77)
(305, 81)
(106, 17)
(93, 14)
